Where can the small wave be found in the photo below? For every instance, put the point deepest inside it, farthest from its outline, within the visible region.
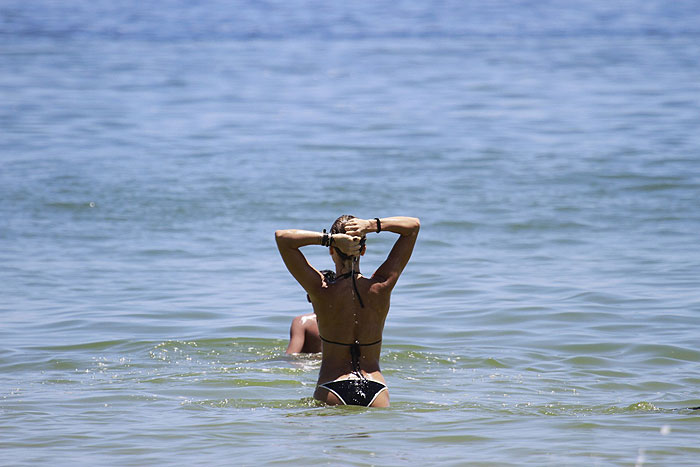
(72, 205)
(633, 408)
(545, 225)
(666, 353)
(303, 403)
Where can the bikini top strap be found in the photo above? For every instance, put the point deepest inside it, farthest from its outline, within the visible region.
(354, 354)
(348, 345)
(343, 276)
(357, 292)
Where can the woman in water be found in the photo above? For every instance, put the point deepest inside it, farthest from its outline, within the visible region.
(351, 309)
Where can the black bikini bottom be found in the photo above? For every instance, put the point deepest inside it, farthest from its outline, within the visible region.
(355, 391)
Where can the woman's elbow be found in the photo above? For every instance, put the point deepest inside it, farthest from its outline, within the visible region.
(416, 224)
(409, 226)
(281, 236)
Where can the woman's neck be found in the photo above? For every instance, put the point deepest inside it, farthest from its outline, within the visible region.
(346, 267)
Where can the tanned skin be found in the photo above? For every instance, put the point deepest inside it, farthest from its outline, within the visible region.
(339, 314)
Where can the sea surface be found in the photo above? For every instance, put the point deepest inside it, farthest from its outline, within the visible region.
(149, 150)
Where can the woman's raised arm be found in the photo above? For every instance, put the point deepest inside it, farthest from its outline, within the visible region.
(407, 227)
(289, 242)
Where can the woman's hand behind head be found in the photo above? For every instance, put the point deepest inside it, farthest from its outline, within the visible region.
(347, 244)
(356, 227)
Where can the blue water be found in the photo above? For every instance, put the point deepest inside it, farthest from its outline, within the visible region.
(148, 151)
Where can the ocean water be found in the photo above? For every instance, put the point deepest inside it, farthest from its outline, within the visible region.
(148, 151)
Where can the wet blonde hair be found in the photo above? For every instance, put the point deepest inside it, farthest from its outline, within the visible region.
(339, 224)
(339, 227)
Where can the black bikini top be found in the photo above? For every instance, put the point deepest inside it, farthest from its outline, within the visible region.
(356, 343)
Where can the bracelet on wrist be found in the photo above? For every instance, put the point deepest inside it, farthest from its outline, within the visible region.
(379, 224)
